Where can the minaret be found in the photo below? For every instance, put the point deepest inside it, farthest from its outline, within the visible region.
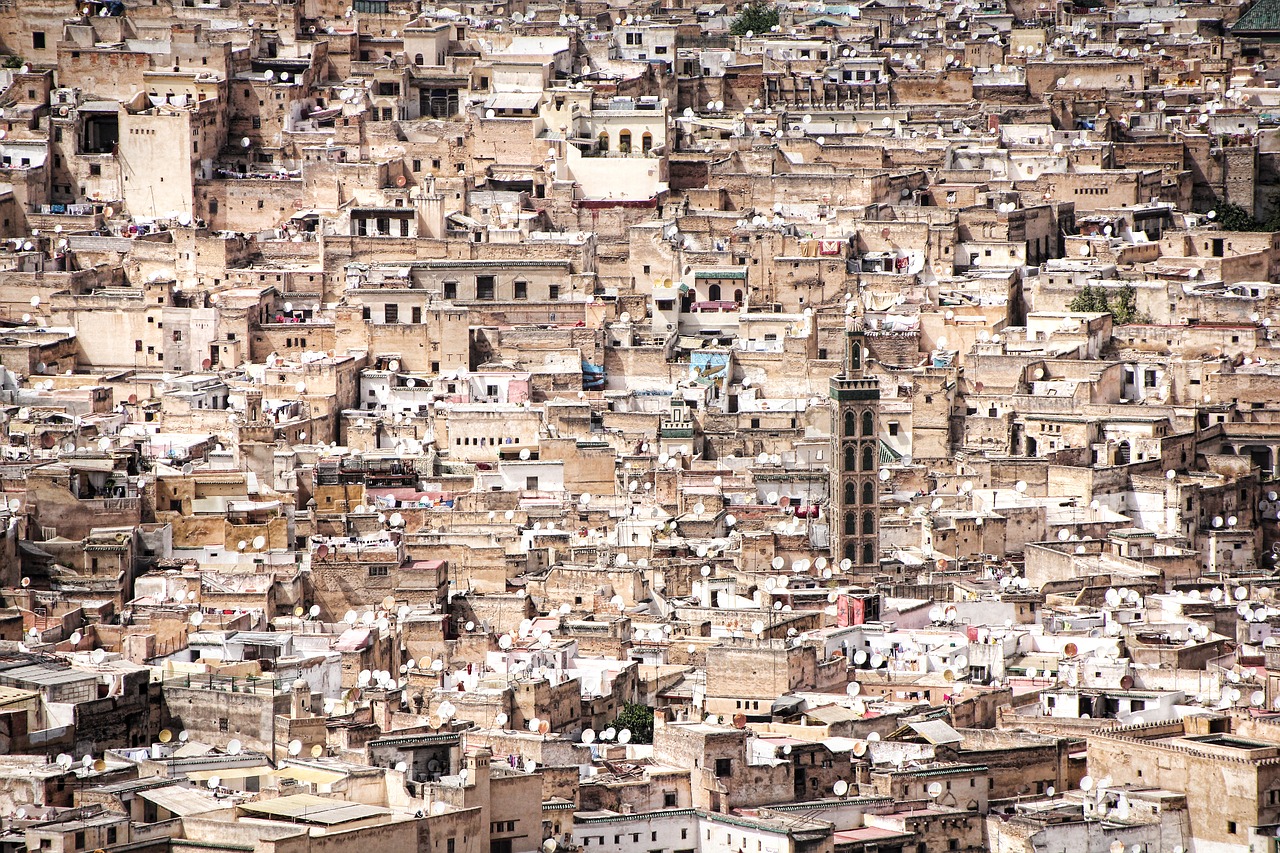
(855, 440)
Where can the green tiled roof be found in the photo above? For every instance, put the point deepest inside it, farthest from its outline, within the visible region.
(1263, 17)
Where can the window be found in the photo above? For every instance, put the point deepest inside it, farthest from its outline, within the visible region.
(417, 314)
(1231, 827)
(95, 169)
(723, 767)
(670, 799)
(377, 571)
(111, 835)
(222, 724)
(391, 313)
(37, 43)
(893, 427)
(484, 287)
(450, 290)
(553, 292)
(521, 290)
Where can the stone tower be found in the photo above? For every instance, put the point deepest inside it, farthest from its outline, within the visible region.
(855, 439)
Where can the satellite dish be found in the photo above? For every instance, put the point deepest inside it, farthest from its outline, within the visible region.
(234, 747)
(840, 788)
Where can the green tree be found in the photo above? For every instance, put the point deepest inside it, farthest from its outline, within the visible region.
(1233, 217)
(638, 719)
(758, 16)
(1090, 299)
(1124, 307)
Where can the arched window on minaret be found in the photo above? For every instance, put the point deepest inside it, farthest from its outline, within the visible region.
(868, 423)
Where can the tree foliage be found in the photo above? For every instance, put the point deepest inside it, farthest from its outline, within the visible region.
(1233, 217)
(758, 16)
(1121, 305)
(639, 719)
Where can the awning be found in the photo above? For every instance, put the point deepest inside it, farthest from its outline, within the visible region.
(313, 775)
(513, 101)
(181, 800)
(230, 773)
(352, 640)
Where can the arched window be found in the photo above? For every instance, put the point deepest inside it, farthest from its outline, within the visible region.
(624, 141)
(868, 553)
(713, 293)
(737, 296)
(850, 493)
(868, 522)
(646, 142)
(851, 457)
(850, 523)
(868, 423)
(868, 493)
(1122, 453)
(417, 59)
(855, 356)
(851, 551)
(850, 423)
(602, 141)
(868, 458)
